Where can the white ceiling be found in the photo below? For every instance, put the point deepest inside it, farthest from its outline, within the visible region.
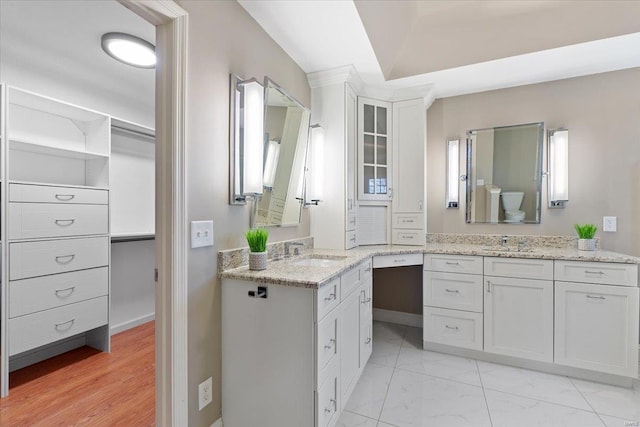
(322, 35)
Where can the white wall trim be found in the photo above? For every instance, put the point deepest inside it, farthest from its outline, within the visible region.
(335, 76)
(397, 317)
(171, 209)
(131, 323)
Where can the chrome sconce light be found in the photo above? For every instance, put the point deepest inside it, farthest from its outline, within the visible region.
(558, 174)
(314, 187)
(453, 173)
(246, 139)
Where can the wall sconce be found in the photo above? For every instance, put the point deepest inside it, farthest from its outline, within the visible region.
(246, 140)
(315, 167)
(453, 173)
(558, 175)
(271, 163)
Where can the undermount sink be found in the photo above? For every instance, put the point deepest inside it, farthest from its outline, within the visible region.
(319, 260)
(506, 249)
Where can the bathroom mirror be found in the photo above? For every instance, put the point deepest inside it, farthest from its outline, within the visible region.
(286, 132)
(504, 174)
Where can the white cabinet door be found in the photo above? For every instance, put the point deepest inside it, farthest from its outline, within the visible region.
(374, 150)
(518, 317)
(366, 322)
(351, 135)
(597, 327)
(349, 338)
(409, 143)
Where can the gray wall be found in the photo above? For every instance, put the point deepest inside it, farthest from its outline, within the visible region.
(601, 113)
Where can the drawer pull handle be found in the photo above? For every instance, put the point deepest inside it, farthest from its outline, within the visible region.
(353, 239)
(407, 221)
(407, 236)
(366, 300)
(68, 322)
(452, 291)
(65, 259)
(335, 406)
(455, 328)
(598, 297)
(488, 286)
(593, 272)
(452, 263)
(368, 340)
(399, 260)
(64, 222)
(368, 269)
(332, 342)
(65, 197)
(62, 291)
(331, 297)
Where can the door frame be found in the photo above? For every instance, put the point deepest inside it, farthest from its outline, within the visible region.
(171, 306)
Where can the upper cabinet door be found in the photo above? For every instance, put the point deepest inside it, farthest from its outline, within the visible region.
(351, 131)
(409, 141)
(374, 150)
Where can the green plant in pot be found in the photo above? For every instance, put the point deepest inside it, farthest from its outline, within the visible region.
(257, 240)
(586, 233)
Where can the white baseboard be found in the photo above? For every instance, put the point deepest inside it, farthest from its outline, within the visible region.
(398, 317)
(45, 352)
(132, 323)
(217, 423)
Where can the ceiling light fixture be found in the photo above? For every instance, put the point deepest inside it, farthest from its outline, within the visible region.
(130, 50)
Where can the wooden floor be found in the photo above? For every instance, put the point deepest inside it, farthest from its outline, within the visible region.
(86, 387)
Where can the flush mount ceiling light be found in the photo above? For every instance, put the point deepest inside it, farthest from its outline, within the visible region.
(130, 50)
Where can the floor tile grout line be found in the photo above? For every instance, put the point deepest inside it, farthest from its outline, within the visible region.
(486, 402)
(389, 386)
(540, 400)
(437, 377)
(360, 415)
(586, 400)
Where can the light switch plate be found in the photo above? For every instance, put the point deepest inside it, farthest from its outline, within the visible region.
(205, 393)
(609, 223)
(201, 234)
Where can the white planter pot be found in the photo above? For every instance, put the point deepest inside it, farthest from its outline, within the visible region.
(587, 244)
(258, 260)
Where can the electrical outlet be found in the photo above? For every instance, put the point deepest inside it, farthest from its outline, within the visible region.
(609, 223)
(201, 234)
(205, 393)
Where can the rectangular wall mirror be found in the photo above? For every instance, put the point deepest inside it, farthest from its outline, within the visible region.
(504, 174)
(286, 133)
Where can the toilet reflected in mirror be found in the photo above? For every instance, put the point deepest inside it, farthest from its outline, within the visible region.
(511, 202)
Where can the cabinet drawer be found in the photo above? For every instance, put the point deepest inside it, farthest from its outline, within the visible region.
(453, 263)
(453, 327)
(31, 259)
(350, 281)
(42, 293)
(44, 327)
(596, 327)
(41, 220)
(328, 345)
(54, 194)
(366, 301)
(519, 268)
(327, 402)
(453, 290)
(327, 298)
(383, 261)
(352, 221)
(408, 220)
(607, 273)
(350, 240)
(408, 237)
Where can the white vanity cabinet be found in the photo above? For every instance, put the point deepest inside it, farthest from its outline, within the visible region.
(292, 355)
(597, 324)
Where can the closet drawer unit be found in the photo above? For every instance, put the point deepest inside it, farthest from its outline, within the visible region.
(328, 345)
(350, 240)
(34, 330)
(327, 402)
(42, 293)
(327, 298)
(453, 327)
(352, 221)
(42, 220)
(276, 205)
(606, 273)
(383, 261)
(408, 220)
(453, 263)
(54, 194)
(350, 281)
(519, 268)
(408, 237)
(31, 259)
(453, 290)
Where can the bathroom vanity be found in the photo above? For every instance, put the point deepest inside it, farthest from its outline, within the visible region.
(296, 337)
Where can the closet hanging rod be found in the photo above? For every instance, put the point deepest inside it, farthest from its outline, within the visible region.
(133, 132)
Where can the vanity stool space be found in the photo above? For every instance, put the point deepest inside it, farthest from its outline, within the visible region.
(292, 352)
(577, 318)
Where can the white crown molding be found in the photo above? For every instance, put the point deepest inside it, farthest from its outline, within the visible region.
(346, 74)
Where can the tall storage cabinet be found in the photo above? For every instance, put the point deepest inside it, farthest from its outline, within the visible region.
(55, 224)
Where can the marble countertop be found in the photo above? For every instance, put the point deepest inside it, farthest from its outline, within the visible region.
(288, 272)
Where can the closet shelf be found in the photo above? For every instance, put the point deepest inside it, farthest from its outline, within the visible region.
(53, 184)
(34, 147)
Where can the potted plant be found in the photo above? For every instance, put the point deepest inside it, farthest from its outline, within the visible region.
(257, 239)
(586, 242)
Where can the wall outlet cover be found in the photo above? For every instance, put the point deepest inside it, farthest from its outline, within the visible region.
(609, 224)
(205, 393)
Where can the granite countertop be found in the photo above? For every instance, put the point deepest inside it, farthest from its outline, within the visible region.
(287, 272)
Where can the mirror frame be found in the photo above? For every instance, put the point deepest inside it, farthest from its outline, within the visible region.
(540, 173)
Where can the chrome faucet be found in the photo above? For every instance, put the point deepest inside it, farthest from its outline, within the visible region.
(504, 240)
(296, 251)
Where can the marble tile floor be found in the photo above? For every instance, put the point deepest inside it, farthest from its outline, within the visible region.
(405, 386)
